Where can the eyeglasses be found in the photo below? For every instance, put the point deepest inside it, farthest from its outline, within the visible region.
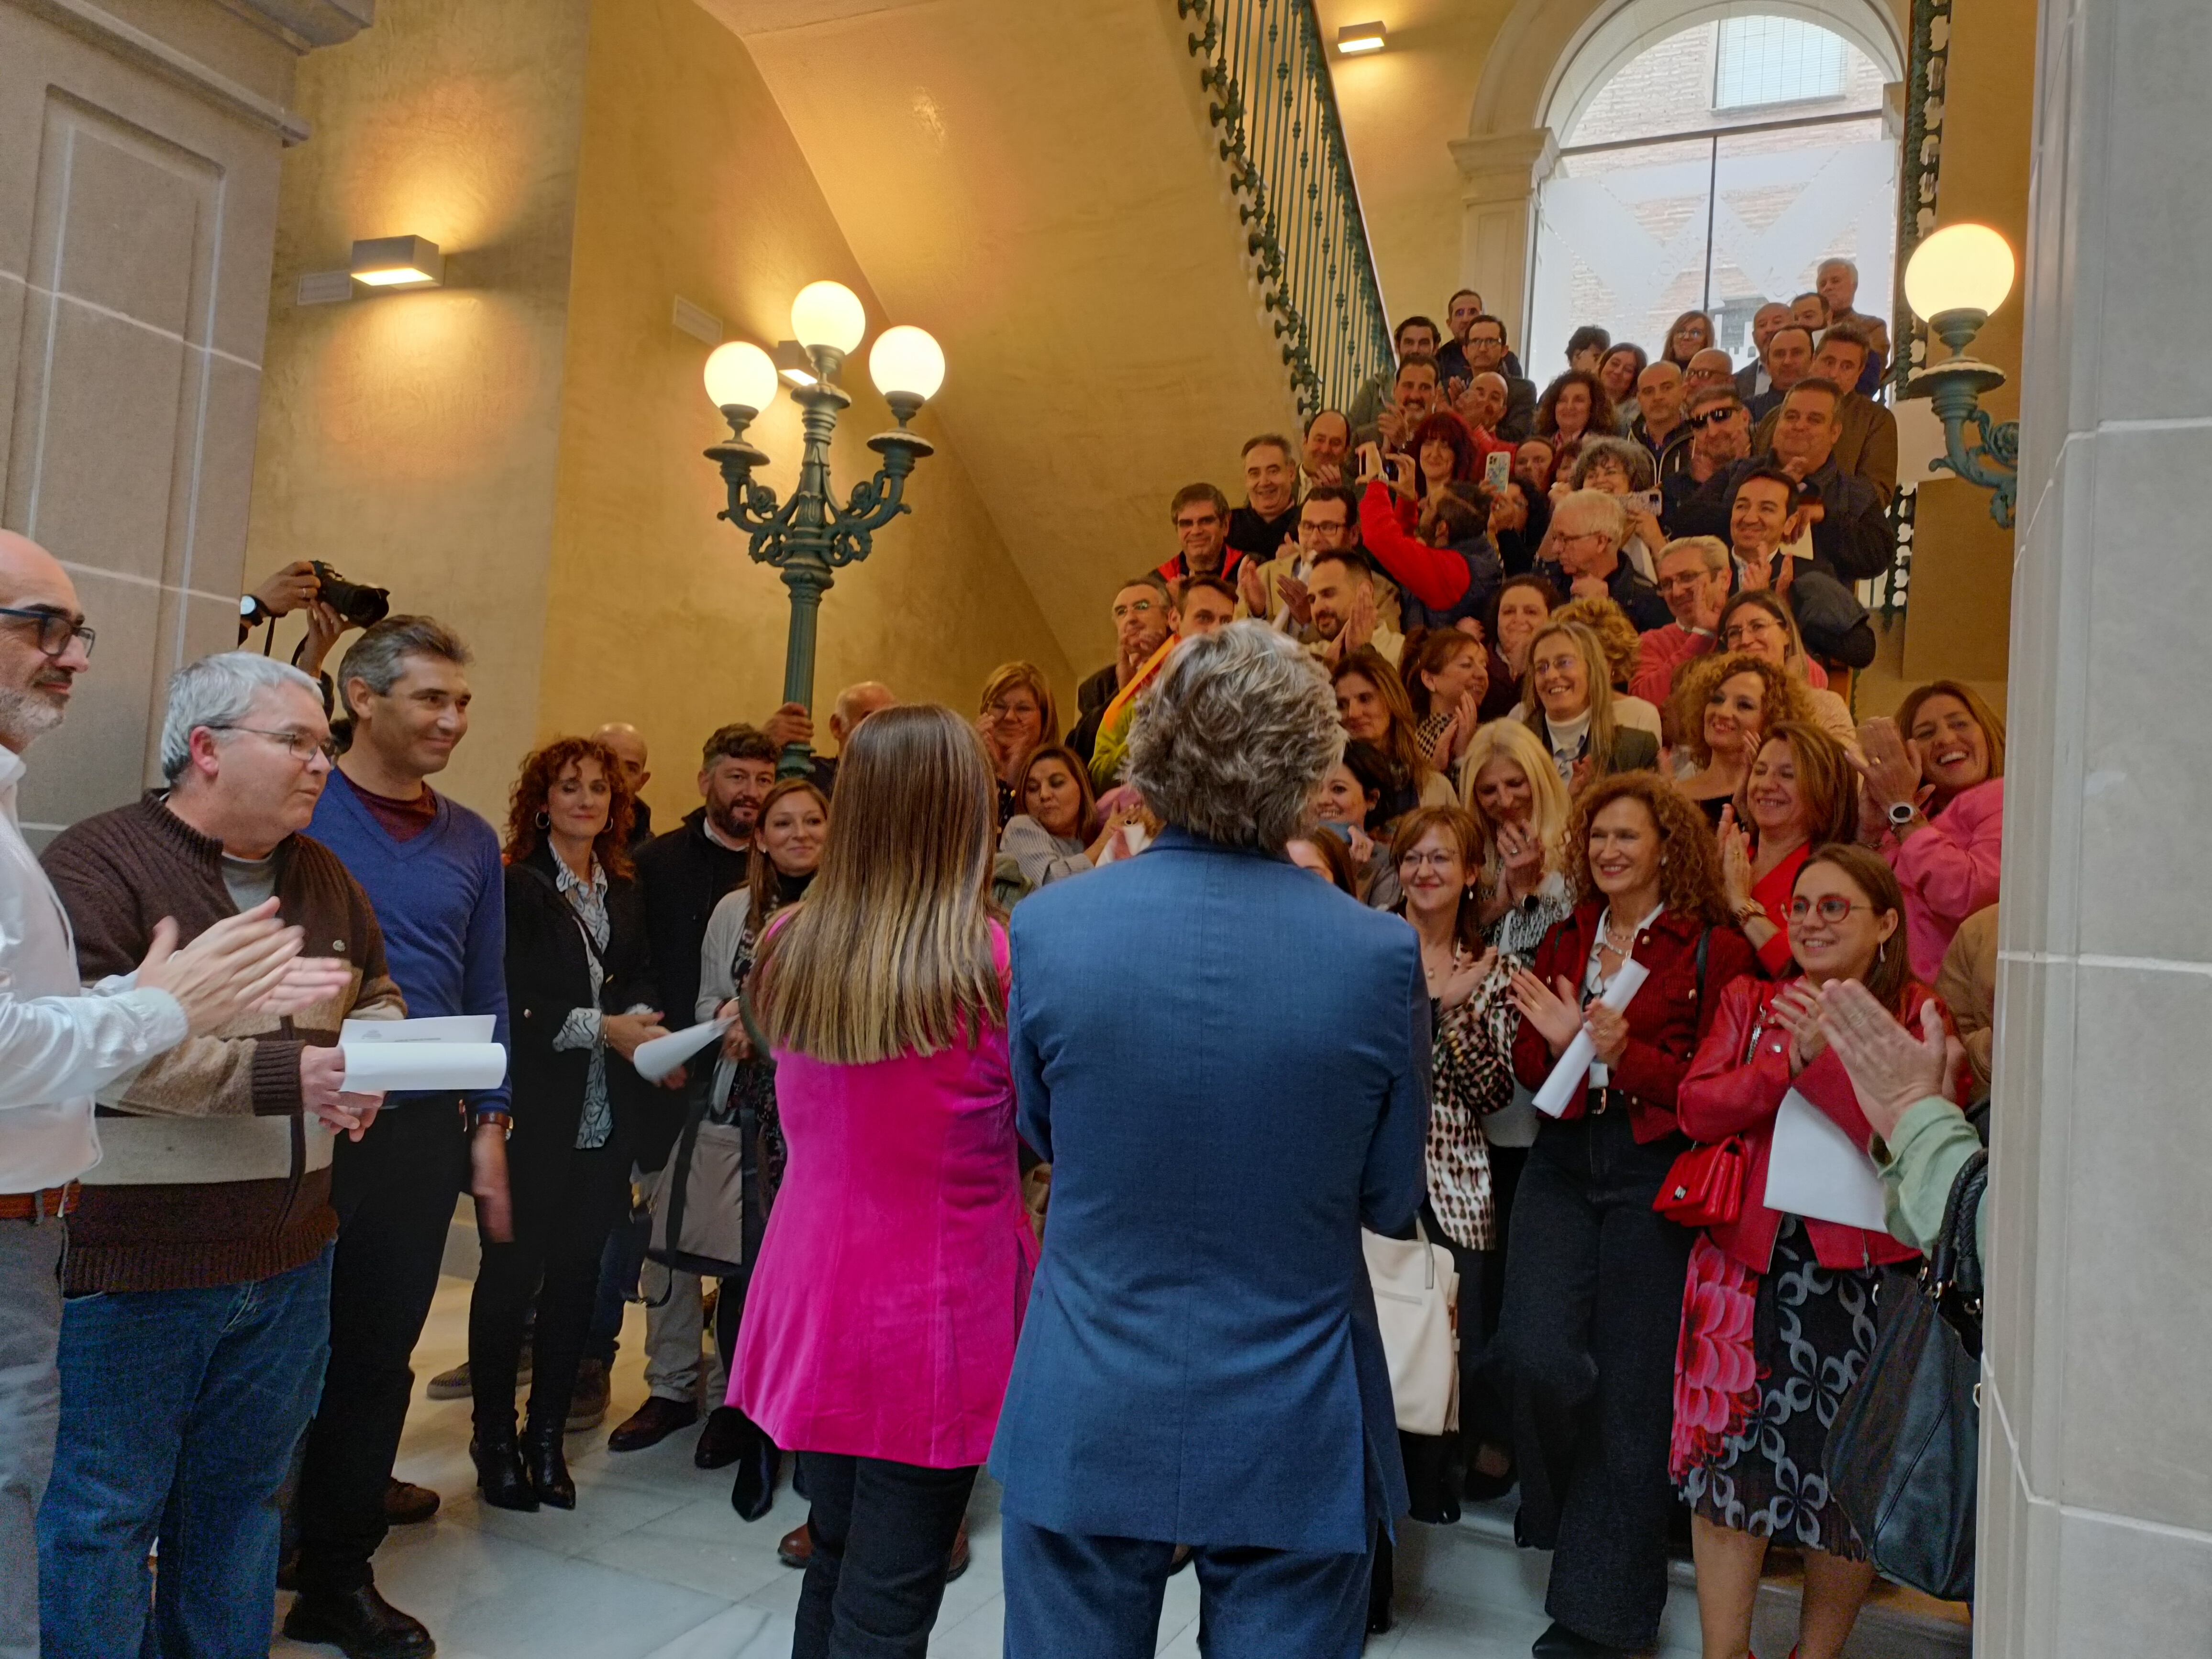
(1829, 907)
(302, 745)
(1714, 417)
(56, 630)
(1695, 579)
(1428, 861)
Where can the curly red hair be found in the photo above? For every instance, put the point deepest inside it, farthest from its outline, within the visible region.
(541, 770)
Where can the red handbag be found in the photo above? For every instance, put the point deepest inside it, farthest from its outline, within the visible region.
(1705, 1187)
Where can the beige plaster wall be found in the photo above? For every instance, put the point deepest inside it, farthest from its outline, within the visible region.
(1960, 614)
(692, 183)
(411, 439)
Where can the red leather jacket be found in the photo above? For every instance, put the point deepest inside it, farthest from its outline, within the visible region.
(1666, 1019)
(1734, 1087)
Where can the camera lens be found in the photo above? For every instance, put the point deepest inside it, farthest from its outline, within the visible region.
(360, 606)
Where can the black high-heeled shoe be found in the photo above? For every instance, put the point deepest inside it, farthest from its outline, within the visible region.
(546, 1462)
(752, 1494)
(500, 1474)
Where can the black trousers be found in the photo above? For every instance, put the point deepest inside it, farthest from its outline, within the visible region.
(883, 1538)
(394, 1191)
(1584, 1356)
(560, 1236)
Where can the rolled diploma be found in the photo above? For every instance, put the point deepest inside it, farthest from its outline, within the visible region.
(380, 1067)
(1574, 1065)
(656, 1058)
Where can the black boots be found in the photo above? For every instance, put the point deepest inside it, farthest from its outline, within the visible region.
(753, 1493)
(547, 1464)
(500, 1474)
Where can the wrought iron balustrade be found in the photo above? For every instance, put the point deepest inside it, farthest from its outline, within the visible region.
(1267, 78)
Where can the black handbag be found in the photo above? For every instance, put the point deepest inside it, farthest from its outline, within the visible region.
(1902, 1454)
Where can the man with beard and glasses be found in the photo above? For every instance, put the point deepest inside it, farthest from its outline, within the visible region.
(1144, 615)
(685, 874)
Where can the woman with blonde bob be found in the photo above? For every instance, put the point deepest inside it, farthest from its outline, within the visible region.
(1016, 715)
(883, 997)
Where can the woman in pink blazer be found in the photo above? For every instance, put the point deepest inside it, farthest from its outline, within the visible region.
(1933, 802)
(881, 1323)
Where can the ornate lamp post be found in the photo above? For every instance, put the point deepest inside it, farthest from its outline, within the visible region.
(810, 536)
(1954, 281)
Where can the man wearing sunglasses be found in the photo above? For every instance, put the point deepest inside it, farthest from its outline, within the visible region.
(60, 1042)
(1720, 436)
(199, 1269)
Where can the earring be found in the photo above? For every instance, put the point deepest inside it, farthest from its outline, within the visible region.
(543, 820)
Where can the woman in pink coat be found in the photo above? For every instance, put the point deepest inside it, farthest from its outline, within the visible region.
(1933, 802)
(881, 1323)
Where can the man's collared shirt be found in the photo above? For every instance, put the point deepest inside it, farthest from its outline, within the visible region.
(58, 1041)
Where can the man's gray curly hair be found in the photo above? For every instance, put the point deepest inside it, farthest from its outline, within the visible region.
(1232, 740)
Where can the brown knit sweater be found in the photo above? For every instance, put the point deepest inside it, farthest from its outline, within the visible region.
(211, 1174)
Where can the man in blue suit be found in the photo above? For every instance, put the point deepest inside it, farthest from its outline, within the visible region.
(1225, 1061)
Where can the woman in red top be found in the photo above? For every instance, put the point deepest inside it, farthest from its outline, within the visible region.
(1777, 1318)
(1585, 1345)
(1801, 794)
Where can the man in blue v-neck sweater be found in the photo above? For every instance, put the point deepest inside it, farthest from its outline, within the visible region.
(432, 869)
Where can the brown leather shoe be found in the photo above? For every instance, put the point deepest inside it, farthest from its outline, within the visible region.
(406, 1504)
(652, 1423)
(796, 1547)
(957, 1563)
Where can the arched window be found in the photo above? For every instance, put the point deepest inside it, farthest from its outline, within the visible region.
(1713, 170)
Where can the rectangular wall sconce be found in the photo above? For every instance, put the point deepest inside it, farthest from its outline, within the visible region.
(1355, 38)
(397, 262)
(793, 363)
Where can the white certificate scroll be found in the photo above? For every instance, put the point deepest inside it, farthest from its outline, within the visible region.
(1566, 1079)
(1815, 1170)
(453, 1052)
(658, 1057)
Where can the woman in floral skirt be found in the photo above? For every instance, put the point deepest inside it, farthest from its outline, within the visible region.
(1778, 1316)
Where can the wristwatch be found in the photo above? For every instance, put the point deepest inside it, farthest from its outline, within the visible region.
(1902, 813)
(250, 613)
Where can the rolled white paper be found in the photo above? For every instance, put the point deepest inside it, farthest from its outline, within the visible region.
(1574, 1065)
(380, 1067)
(658, 1057)
(453, 1051)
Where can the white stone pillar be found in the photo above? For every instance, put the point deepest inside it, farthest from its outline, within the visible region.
(2097, 1452)
(1498, 226)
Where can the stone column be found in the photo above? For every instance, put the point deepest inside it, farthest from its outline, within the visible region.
(139, 142)
(1497, 226)
(2097, 1459)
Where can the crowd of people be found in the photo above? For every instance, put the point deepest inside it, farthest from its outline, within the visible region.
(1027, 1159)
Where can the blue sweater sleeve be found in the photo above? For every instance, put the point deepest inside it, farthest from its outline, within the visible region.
(483, 967)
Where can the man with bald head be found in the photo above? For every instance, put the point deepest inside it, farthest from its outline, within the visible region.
(61, 1041)
(1789, 360)
(628, 743)
(1659, 426)
(1708, 369)
(1752, 381)
(854, 704)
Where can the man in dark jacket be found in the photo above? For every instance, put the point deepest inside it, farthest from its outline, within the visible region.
(1269, 516)
(684, 875)
(1144, 616)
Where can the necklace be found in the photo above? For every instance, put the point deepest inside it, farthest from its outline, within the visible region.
(1615, 944)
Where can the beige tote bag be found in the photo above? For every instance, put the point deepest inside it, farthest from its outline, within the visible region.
(1417, 1305)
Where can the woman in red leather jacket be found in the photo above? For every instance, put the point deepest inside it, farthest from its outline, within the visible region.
(1778, 1319)
(1585, 1346)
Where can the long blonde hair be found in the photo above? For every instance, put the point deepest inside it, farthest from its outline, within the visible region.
(889, 952)
(1603, 726)
(1509, 739)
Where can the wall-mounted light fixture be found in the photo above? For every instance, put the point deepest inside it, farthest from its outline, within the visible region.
(793, 363)
(1954, 281)
(397, 262)
(1356, 38)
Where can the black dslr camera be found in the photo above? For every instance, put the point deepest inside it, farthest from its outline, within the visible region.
(360, 606)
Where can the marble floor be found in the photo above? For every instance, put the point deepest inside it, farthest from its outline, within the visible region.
(652, 1563)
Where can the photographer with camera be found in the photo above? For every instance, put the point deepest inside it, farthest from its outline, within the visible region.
(333, 605)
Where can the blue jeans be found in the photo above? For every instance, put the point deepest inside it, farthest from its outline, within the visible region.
(181, 1410)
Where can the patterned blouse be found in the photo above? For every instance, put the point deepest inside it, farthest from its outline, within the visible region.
(1473, 1078)
(581, 1029)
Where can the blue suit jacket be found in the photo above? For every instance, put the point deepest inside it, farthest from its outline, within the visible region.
(1226, 1062)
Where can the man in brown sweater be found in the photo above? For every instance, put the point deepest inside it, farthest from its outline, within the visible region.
(206, 1230)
